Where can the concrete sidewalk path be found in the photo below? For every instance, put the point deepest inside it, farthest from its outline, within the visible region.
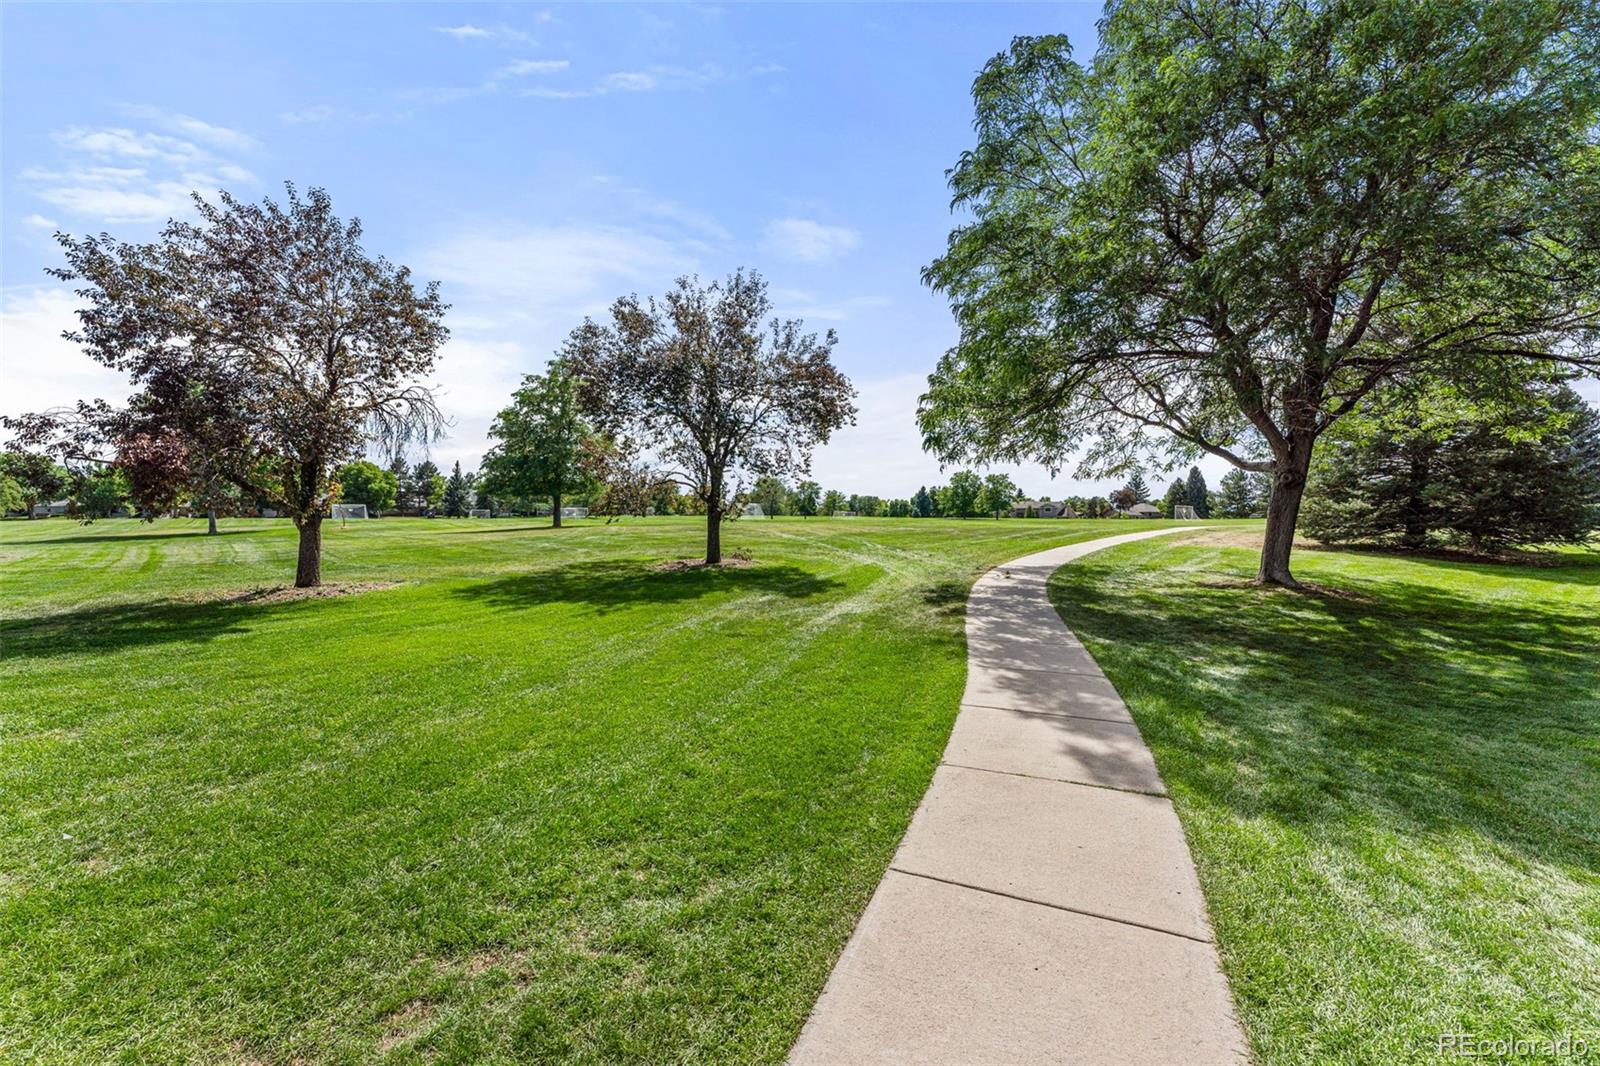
(1042, 907)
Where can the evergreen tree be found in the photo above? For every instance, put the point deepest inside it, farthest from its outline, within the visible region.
(922, 503)
(427, 486)
(1136, 485)
(1237, 498)
(457, 493)
(1199, 494)
(1177, 493)
(1526, 474)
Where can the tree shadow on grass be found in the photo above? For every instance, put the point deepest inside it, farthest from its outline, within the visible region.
(118, 538)
(611, 584)
(117, 627)
(1412, 707)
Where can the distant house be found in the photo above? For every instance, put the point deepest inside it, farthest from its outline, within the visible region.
(1144, 510)
(1042, 509)
(51, 509)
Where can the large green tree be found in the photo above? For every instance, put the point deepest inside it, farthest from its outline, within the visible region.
(37, 477)
(367, 483)
(997, 495)
(1241, 219)
(542, 441)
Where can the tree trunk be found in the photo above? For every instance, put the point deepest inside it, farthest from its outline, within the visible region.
(308, 574)
(714, 521)
(1283, 512)
(555, 510)
(211, 522)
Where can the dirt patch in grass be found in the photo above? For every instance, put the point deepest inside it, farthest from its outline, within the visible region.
(289, 594)
(405, 1024)
(674, 566)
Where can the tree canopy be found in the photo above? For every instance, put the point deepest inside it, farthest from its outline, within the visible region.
(703, 380)
(542, 441)
(1241, 219)
(267, 347)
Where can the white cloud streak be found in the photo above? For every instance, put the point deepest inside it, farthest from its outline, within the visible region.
(807, 241)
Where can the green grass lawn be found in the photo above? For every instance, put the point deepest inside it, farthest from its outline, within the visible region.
(538, 801)
(1391, 790)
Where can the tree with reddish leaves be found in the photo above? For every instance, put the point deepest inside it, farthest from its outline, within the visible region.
(705, 382)
(268, 348)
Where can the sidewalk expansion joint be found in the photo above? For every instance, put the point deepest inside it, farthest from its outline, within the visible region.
(1057, 780)
(1052, 906)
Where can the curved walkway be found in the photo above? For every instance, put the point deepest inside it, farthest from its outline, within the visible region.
(1042, 907)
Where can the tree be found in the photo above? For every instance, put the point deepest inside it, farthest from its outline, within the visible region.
(11, 497)
(99, 494)
(807, 498)
(1137, 486)
(997, 494)
(771, 494)
(426, 486)
(542, 440)
(457, 497)
(37, 477)
(1177, 495)
(1199, 493)
(1237, 498)
(833, 502)
(366, 483)
(1223, 234)
(961, 495)
(1525, 473)
(702, 380)
(899, 508)
(922, 503)
(1122, 498)
(272, 314)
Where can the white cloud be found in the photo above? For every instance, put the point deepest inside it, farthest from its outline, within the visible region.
(799, 303)
(39, 222)
(502, 33)
(531, 66)
(43, 369)
(314, 113)
(121, 174)
(220, 137)
(565, 269)
(807, 241)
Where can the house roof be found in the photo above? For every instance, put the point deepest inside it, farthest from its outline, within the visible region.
(1144, 508)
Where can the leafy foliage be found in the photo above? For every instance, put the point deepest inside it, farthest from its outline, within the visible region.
(268, 348)
(542, 441)
(367, 483)
(698, 378)
(1241, 219)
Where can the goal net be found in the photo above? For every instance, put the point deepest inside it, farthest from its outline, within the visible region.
(478, 513)
(1184, 511)
(343, 511)
(574, 512)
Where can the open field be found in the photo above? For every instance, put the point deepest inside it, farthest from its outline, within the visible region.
(538, 800)
(1392, 790)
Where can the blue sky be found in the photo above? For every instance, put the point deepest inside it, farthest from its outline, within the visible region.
(538, 160)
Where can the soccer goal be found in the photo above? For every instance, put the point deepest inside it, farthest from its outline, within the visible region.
(574, 512)
(753, 510)
(479, 513)
(1184, 512)
(345, 511)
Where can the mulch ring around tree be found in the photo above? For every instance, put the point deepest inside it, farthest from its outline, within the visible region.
(674, 566)
(289, 594)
